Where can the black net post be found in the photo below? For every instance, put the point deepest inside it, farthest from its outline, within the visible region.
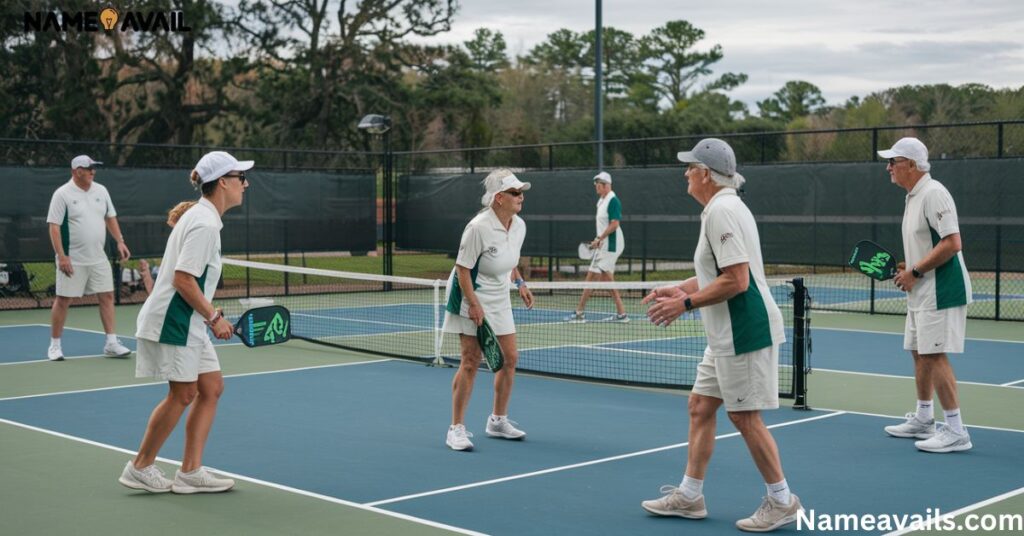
(999, 262)
(800, 345)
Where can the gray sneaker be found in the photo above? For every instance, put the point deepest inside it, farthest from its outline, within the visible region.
(771, 515)
(576, 318)
(150, 478)
(912, 428)
(200, 481)
(946, 440)
(674, 503)
(504, 428)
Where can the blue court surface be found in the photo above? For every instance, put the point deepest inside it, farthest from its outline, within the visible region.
(373, 433)
(994, 362)
(29, 343)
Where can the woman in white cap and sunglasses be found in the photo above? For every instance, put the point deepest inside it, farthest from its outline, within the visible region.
(744, 330)
(478, 288)
(172, 337)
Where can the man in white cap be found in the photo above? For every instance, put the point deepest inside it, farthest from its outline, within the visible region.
(80, 215)
(938, 290)
(607, 246)
(744, 329)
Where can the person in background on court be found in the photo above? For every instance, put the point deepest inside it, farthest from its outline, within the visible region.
(173, 341)
(478, 288)
(80, 215)
(744, 329)
(607, 246)
(938, 290)
(173, 215)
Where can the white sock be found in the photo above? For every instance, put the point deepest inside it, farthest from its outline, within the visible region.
(498, 418)
(925, 410)
(691, 488)
(111, 338)
(780, 491)
(55, 342)
(953, 420)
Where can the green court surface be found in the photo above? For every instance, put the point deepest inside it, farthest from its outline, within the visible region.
(51, 483)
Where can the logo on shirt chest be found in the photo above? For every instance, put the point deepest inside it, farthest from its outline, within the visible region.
(492, 251)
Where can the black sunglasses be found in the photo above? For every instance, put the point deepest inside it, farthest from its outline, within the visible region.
(894, 161)
(514, 193)
(240, 176)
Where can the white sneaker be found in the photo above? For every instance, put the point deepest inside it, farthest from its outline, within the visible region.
(116, 349)
(946, 440)
(771, 515)
(576, 318)
(674, 503)
(200, 481)
(55, 353)
(150, 478)
(503, 428)
(912, 428)
(458, 438)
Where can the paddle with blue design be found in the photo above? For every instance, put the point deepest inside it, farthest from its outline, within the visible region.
(263, 326)
(490, 347)
(874, 261)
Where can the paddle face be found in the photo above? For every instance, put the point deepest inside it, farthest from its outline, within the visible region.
(490, 347)
(264, 326)
(873, 261)
(584, 252)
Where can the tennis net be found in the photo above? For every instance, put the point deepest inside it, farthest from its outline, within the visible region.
(403, 317)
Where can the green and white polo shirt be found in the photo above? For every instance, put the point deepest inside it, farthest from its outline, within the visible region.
(490, 252)
(193, 248)
(82, 216)
(930, 216)
(610, 208)
(751, 320)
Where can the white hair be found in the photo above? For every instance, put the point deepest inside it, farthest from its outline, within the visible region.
(921, 166)
(736, 181)
(492, 185)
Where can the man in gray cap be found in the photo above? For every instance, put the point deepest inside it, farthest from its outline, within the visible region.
(744, 329)
(607, 246)
(80, 215)
(938, 290)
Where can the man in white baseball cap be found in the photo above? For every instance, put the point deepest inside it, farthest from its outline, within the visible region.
(938, 290)
(607, 246)
(80, 215)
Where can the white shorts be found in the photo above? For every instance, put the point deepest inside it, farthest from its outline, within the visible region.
(936, 332)
(87, 279)
(745, 382)
(501, 322)
(174, 363)
(604, 262)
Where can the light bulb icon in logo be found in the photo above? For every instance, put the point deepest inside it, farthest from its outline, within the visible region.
(108, 18)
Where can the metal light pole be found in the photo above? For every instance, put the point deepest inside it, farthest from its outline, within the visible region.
(380, 125)
(598, 81)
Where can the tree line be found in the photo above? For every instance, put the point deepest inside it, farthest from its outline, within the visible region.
(300, 74)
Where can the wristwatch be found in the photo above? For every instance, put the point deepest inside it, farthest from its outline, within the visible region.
(687, 304)
(915, 273)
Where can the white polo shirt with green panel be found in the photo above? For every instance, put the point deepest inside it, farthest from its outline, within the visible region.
(610, 208)
(193, 248)
(929, 216)
(82, 216)
(490, 252)
(751, 320)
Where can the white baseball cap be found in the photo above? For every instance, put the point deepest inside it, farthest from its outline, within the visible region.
(910, 148)
(216, 164)
(83, 161)
(510, 181)
(603, 177)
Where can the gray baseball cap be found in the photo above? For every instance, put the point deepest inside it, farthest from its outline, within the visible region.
(713, 153)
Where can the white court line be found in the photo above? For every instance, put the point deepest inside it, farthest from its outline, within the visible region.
(1011, 384)
(23, 326)
(964, 510)
(820, 328)
(880, 375)
(257, 481)
(903, 417)
(582, 464)
(67, 358)
(239, 375)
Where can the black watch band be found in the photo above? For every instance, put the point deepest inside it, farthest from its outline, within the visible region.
(915, 273)
(688, 304)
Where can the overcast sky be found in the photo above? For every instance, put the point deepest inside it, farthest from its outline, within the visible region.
(846, 48)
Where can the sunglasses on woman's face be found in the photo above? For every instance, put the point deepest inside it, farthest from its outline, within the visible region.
(513, 193)
(240, 176)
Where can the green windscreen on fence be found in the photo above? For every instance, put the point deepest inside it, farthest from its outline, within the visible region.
(282, 211)
(806, 213)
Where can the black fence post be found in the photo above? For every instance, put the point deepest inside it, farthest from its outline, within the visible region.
(643, 151)
(551, 250)
(800, 345)
(286, 274)
(764, 141)
(999, 264)
(643, 261)
(551, 157)
(874, 145)
(472, 161)
(999, 142)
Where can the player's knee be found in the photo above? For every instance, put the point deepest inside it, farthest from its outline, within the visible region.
(511, 358)
(744, 420)
(699, 407)
(183, 396)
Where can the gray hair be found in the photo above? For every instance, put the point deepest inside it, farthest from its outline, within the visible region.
(736, 181)
(492, 185)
